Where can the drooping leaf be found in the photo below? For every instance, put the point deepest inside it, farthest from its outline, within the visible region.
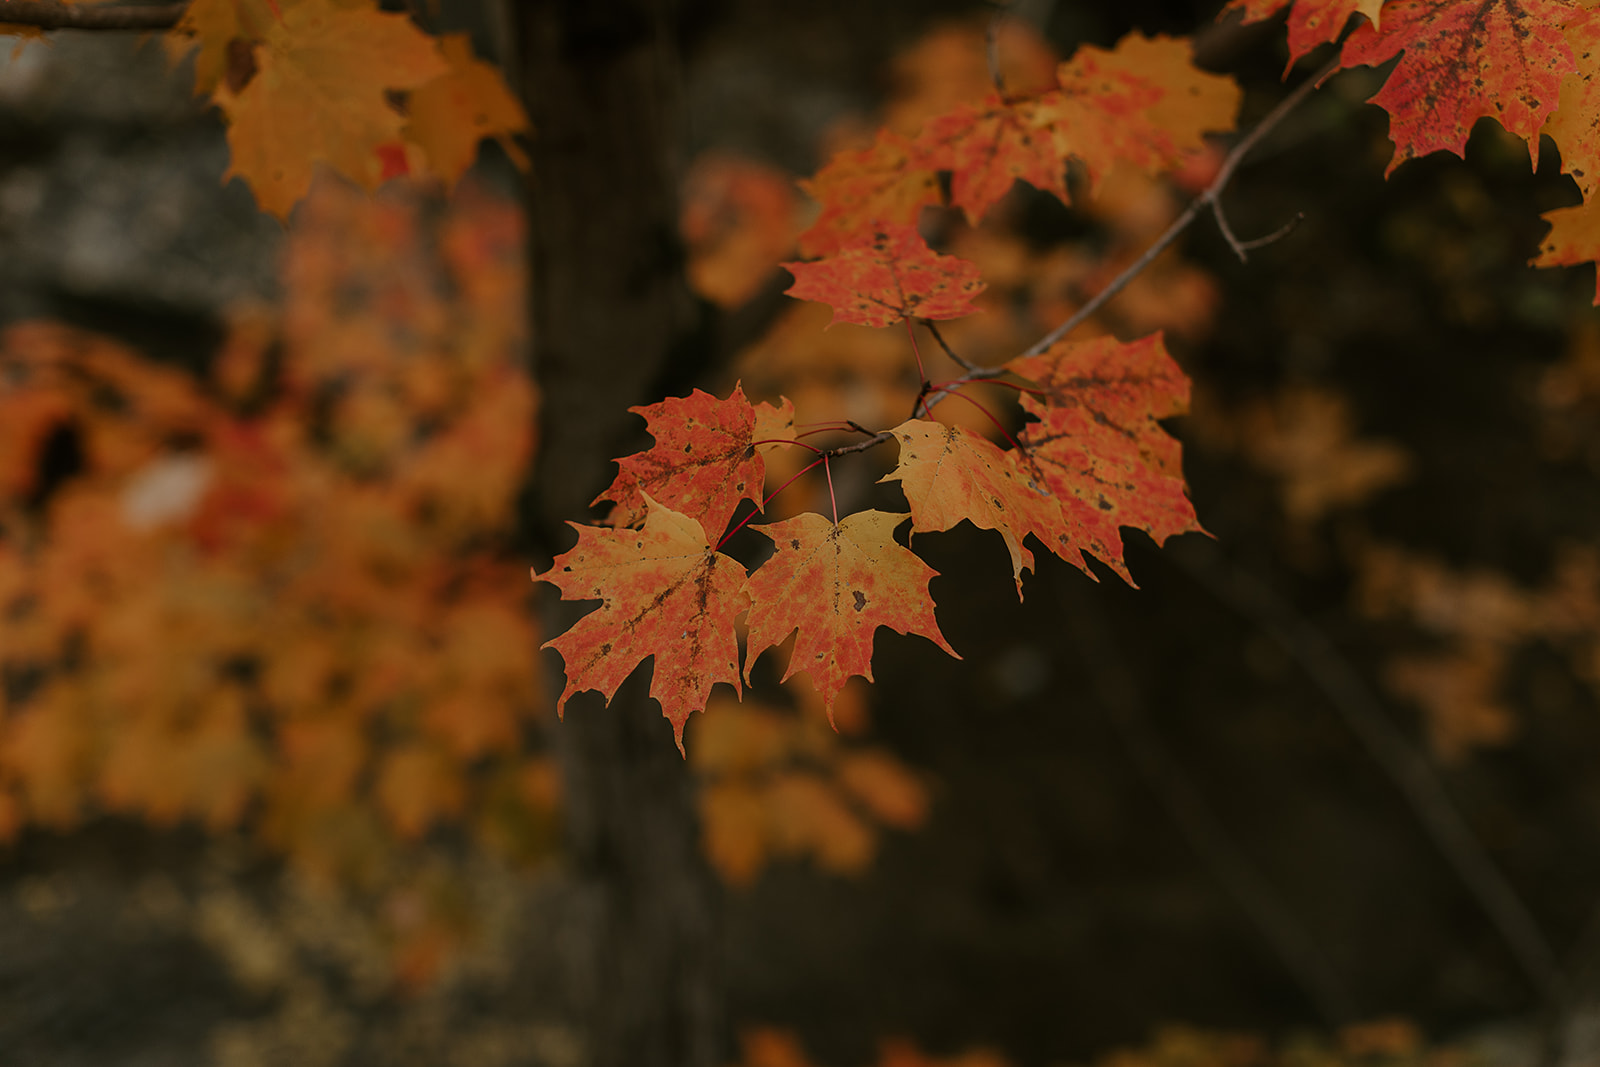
(1575, 126)
(449, 115)
(705, 459)
(950, 475)
(887, 276)
(319, 94)
(1574, 238)
(1311, 22)
(1098, 445)
(664, 592)
(836, 584)
(1462, 60)
(885, 185)
(1143, 104)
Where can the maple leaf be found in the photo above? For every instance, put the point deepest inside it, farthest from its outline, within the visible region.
(1463, 60)
(705, 460)
(319, 94)
(449, 115)
(949, 475)
(836, 584)
(1574, 238)
(1311, 22)
(1575, 125)
(1142, 104)
(664, 592)
(884, 185)
(886, 277)
(1098, 445)
(221, 34)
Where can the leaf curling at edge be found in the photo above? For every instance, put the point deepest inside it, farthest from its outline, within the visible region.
(664, 593)
(837, 584)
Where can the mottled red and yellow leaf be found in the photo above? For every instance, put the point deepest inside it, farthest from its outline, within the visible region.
(705, 461)
(1097, 443)
(1575, 126)
(950, 475)
(836, 584)
(1463, 60)
(1311, 22)
(663, 592)
(887, 276)
(885, 185)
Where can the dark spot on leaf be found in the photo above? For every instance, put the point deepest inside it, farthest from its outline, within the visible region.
(861, 600)
(794, 543)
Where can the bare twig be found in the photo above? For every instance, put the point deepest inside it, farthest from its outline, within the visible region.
(1243, 248)
(964, 364)
(1157, 764)
(55, 15)
(992, 46)
(1397, 758)
(1207, 197)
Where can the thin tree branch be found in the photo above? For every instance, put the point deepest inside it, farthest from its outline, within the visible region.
(1397, 758)
(1207, 197)
(55, 15)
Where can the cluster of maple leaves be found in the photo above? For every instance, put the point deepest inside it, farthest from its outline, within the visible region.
(1091, 456)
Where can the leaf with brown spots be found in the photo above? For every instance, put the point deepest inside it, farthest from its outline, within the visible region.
(1098, 446)
(887, 276)
(1311, 22)
(663, 592)
(1463, 60)
(950, 475)
(1575, 126)
(836, 584)
(706, 458)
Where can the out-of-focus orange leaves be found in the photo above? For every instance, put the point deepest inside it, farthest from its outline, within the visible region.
(1305, 438)
(449, 115)
(280, 597)
(1476, 620)
(738, 221)
(777, 783)
(771, 1047)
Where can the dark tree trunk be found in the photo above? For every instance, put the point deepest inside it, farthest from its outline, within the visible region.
(611, 314)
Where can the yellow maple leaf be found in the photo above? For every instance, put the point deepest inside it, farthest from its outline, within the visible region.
(319, 94)
(449, 115)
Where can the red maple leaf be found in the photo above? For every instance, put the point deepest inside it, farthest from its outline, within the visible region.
(663, 592)
(836, 584)
(885, 185)
(1311, 22)
(888, 276)
(705, 459)
(1464, 60)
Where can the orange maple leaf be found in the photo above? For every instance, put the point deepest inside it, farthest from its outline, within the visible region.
(706, 458)
(319, 93)
(1575, 125)
(1464, 60)
(887, 276)
(950, 475)
(449, 115)
(1311, 22)
(886, 184)
(221, 33)
(1098, 445)
(836, 584)
(1574, 238)
(664, 592)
